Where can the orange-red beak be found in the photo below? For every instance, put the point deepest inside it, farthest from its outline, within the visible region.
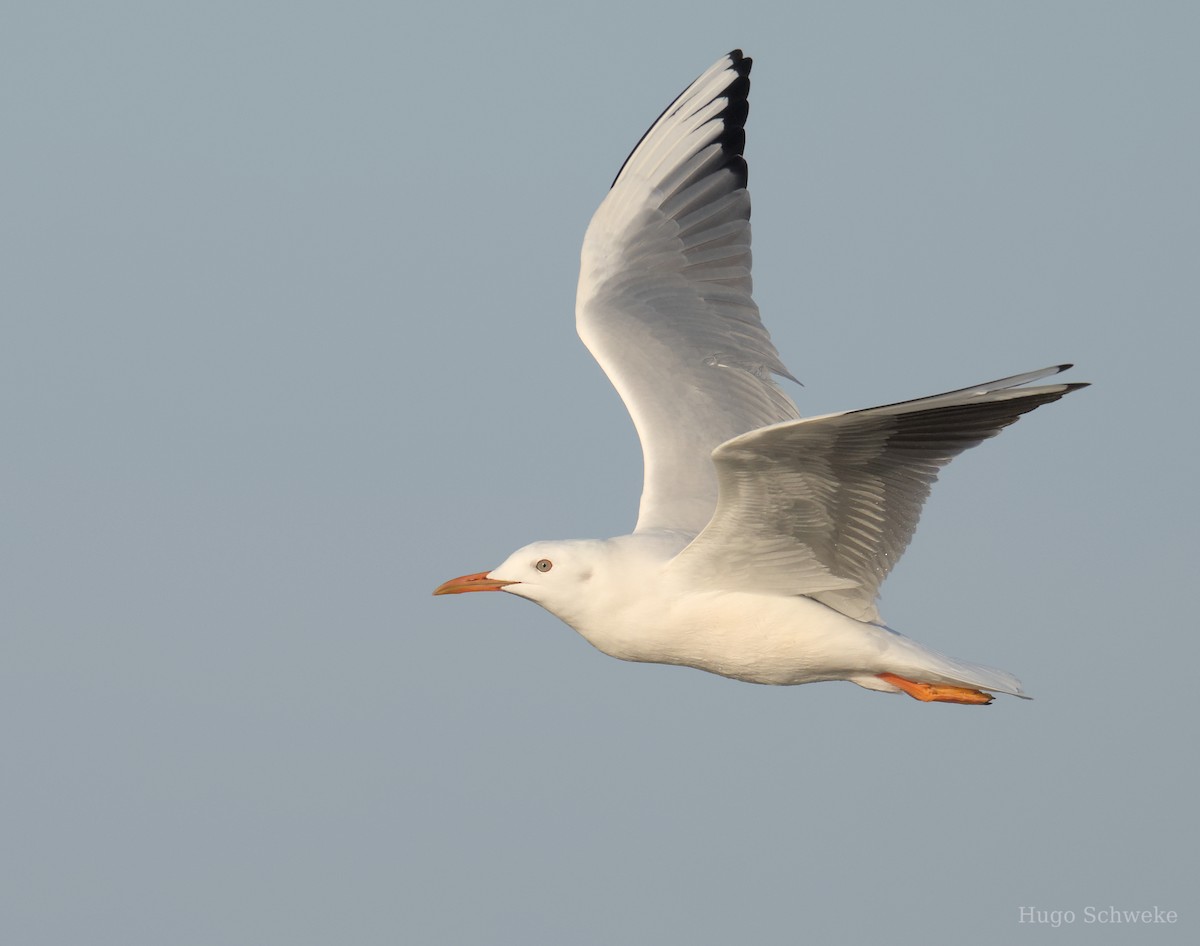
(476, 582)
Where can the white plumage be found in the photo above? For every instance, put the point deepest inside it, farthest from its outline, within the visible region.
(762, 538)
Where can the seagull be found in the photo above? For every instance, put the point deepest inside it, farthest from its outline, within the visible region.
(762, 537)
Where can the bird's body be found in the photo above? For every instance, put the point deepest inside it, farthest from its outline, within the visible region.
(758, 638)
(623, 596)
(762, 538)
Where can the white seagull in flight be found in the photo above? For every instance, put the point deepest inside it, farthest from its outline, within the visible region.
(762, 537)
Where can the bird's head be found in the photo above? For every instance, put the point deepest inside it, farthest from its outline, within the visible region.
(559, 576)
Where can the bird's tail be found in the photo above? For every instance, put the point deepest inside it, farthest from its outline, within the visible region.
(912, 662)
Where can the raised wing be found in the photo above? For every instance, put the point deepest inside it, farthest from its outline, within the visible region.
(664, 297)
(826, 506)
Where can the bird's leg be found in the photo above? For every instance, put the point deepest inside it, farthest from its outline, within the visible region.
(936, 692)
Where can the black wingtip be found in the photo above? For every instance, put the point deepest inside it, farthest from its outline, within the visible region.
(734, 115)
(739, 62)
(1072, 385)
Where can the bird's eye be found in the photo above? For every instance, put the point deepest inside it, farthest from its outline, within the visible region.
(544, 565)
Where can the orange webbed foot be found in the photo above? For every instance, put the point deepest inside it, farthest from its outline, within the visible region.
(937, 692)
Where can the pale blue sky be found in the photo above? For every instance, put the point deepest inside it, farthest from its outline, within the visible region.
(288, 340)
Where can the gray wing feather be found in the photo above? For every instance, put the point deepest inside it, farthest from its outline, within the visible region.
(826, 506)
(664, 299)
